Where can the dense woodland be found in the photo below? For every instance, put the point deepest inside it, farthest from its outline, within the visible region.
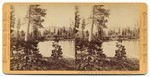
(89, 54)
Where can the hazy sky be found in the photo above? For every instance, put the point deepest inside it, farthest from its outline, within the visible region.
(121, 15)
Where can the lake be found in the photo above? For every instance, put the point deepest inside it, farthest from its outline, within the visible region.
(68, 48)
(132, 48)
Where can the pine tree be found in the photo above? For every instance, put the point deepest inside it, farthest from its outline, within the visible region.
(120, 53)
(100, 18)
(32, 58)
(83, 27)
(12, 24)
(57, 51)
(77, 19)
(12, 18)
(18, 27)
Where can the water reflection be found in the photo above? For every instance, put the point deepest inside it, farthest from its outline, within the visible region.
(132, 48)
(68, 48)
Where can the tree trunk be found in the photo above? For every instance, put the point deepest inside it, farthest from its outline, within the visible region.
(28, 27)
(92, 26)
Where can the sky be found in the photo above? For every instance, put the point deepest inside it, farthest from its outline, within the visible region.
(121, 15)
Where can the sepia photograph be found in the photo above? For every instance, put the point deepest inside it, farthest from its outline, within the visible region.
(75, 37)
(42, 37)
(107, 37)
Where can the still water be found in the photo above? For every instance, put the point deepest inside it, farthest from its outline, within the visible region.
(68, 48)
(132, 48)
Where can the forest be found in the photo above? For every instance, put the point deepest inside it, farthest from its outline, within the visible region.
(89, 54)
